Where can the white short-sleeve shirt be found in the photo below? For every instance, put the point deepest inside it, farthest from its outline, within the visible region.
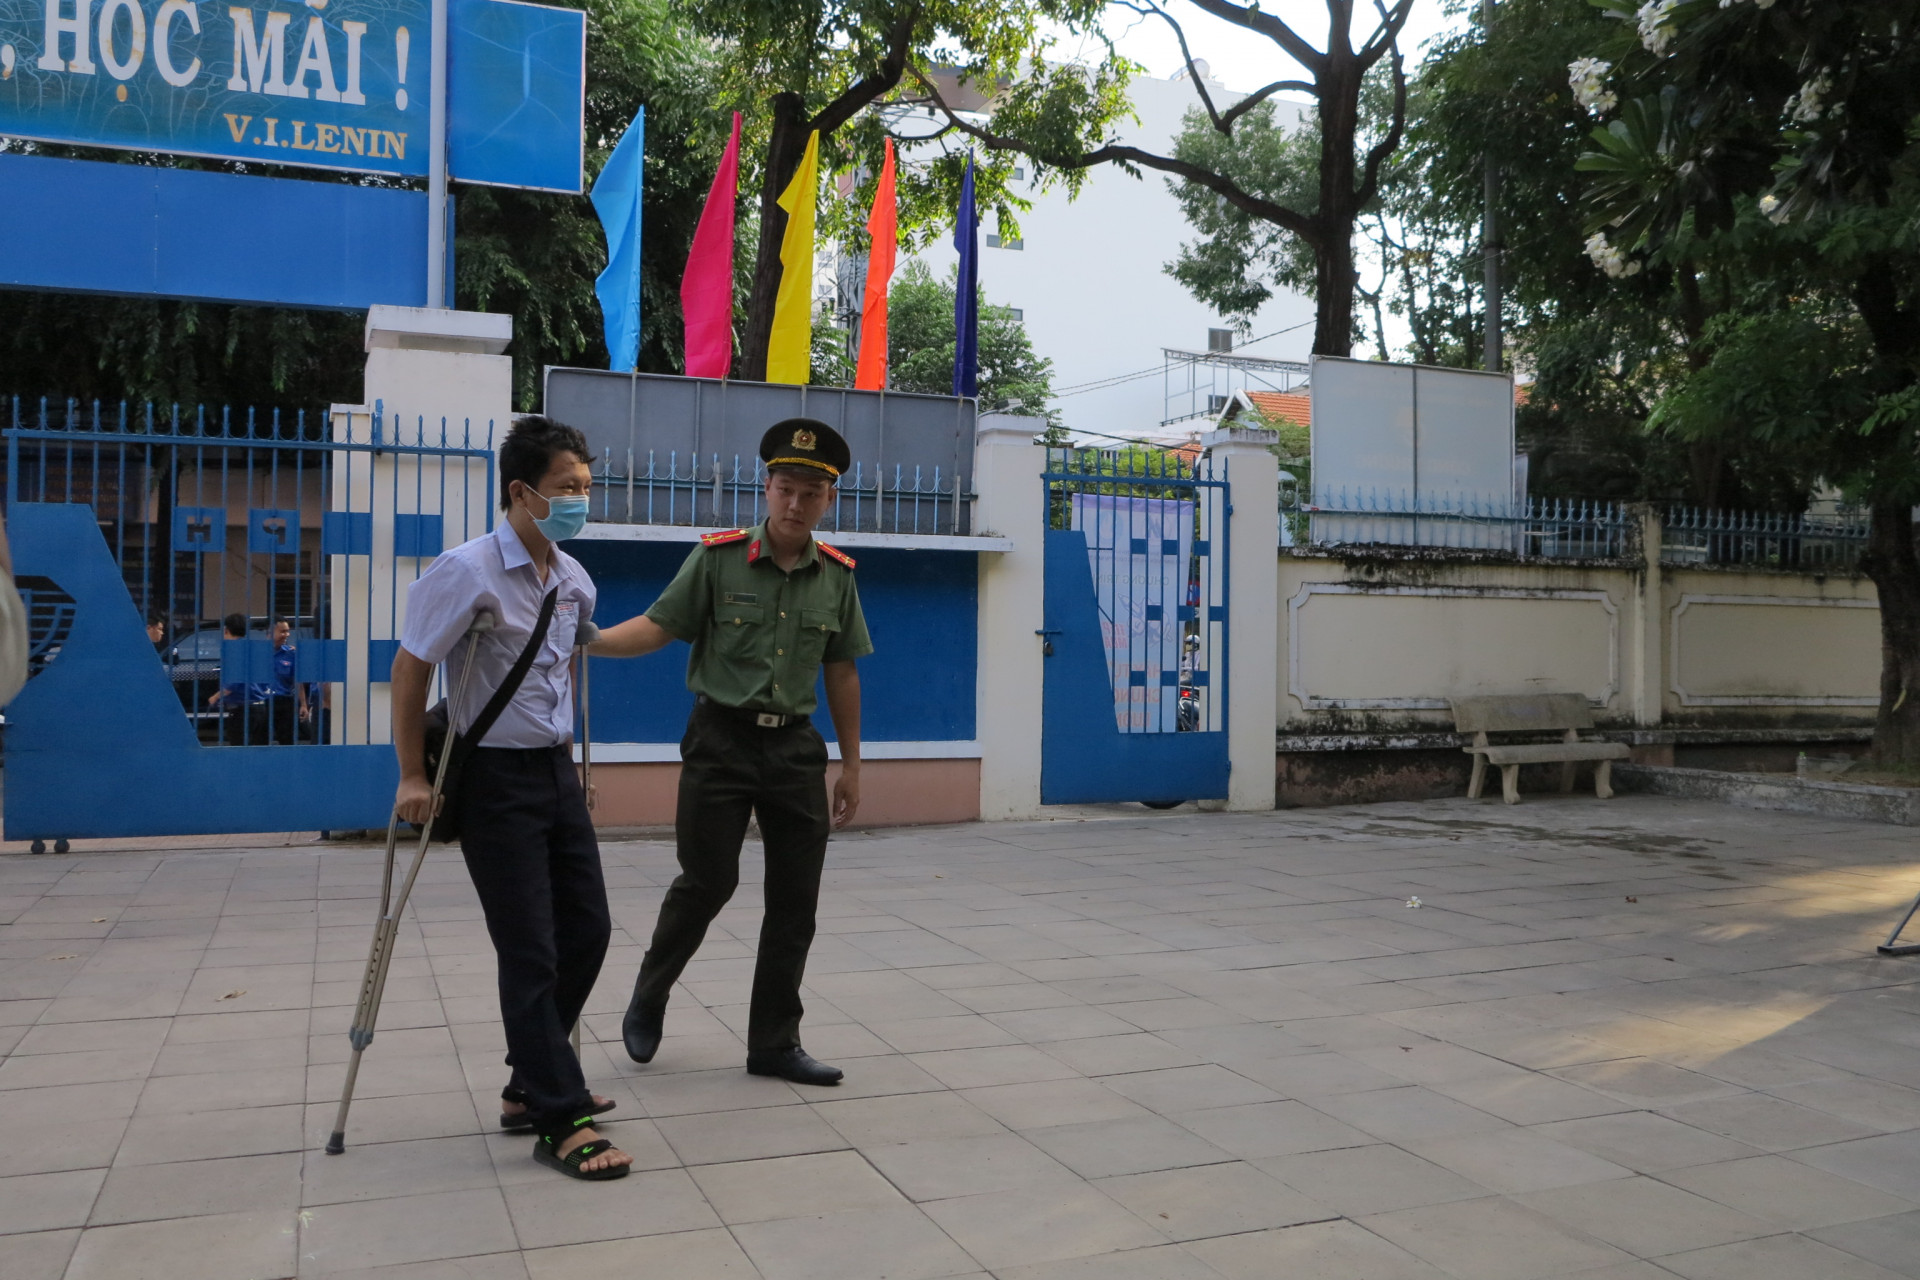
(494, 573)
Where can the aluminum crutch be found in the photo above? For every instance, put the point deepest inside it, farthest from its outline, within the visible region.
(583, 635)
(374, 984)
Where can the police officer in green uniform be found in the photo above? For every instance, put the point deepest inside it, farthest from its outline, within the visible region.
(765, 610)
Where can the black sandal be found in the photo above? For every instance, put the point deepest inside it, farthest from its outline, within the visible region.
(524, 1119)
(547, 1151)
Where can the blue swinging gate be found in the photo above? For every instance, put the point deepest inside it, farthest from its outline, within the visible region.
(1136, 609)
(120, 516)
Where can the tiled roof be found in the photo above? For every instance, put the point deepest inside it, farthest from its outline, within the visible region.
(1295, 406)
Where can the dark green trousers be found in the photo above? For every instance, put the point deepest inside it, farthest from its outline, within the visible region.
(732, 770)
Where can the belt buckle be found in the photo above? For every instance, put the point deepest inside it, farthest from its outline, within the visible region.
(767, 720)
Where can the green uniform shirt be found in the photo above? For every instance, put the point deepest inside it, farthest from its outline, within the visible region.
(758, 634)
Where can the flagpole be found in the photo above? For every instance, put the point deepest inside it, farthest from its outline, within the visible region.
(437, 162)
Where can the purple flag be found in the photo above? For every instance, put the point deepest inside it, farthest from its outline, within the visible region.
(966, 297)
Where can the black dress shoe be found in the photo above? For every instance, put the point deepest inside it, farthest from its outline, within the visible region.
(642, 1029)
(792, 1064)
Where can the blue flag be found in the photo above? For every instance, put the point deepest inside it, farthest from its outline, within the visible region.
(616, 198)
(966, 294)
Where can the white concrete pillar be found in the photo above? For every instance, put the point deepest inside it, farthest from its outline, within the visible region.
(1242, 457)
(1007, 465)
(439, 378)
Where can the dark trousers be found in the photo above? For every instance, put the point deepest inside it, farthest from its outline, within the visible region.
(732, 770)
(531, 851)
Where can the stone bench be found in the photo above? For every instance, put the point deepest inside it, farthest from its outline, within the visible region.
(1533, 713)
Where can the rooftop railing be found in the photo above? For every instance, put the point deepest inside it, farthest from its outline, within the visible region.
(1544, 528)
(1830, 542)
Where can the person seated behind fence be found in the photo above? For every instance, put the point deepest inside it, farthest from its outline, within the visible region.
(157, 631)
(289, 708)
(244, 704)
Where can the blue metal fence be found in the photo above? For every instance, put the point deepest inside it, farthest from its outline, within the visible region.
(710, 491)
(1827, 543)
(1550, 528)
(185, 516)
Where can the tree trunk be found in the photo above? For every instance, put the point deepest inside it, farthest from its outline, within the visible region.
(784, 149)
(1894, 567)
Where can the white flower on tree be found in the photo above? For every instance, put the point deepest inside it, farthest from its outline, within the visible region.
(1810, 103)
(1610, 259)
(1656, 28)
(1588, 77)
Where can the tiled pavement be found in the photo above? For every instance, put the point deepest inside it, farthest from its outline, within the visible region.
(1645, 1038)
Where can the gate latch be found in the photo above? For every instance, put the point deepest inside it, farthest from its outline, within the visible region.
(1046, 649)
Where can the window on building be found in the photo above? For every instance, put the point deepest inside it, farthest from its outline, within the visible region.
(1019, 174)
(1216, 403)
(1017, 313)
(993, 241)
(1219, 339)
(996, 242)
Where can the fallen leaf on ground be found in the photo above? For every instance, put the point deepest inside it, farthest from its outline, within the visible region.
(67, 957)
(1631, 898)
(232, 995)
(98, 920)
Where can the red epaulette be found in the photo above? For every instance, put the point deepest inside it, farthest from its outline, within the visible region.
(723, 537)
(836, 553)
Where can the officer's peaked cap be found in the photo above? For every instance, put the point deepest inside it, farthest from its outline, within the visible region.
(806, 444)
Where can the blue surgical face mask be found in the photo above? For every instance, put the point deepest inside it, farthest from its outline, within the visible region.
(566, 516)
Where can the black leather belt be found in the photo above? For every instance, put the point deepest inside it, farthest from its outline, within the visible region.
(748, 715)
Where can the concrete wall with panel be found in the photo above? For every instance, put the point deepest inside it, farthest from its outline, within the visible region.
(1378, 642)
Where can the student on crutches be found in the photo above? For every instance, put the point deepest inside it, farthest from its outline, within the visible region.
(524, 828)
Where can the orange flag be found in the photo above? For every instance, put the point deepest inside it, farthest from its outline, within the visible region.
(871, 373)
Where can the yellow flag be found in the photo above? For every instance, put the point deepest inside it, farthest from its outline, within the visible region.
(790, 348)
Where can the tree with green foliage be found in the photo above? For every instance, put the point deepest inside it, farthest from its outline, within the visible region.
(1346, 175)
(921, 344)
(852, 71)
(1771, 149)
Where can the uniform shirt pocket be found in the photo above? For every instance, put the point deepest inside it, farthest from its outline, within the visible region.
(738, 630)
(817, 629)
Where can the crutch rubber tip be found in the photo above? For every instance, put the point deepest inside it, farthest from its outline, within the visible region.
(1912, 949)
(337, 1143)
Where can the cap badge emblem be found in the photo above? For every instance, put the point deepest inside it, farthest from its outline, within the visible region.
(804, 439)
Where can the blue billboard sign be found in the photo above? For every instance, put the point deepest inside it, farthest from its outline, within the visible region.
(516, 100)
(333, 84)
(330, 84)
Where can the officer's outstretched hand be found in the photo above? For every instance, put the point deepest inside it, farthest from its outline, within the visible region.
(846, 798)
(413, 801)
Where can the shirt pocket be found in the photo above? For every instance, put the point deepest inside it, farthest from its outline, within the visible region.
(817, 630)
(739, 631)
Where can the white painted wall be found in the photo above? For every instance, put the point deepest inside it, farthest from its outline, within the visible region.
(1091, 283)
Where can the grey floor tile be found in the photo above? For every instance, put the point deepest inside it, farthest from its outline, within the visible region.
(48, 1201)
(650, 1202)
(940, 1168)
(1492, 1239)
(1782, 1257)
(1156, 1262)
(1892, 1242)
(722, 1136)
(1516, 1160)
(1109, 1148)
(377, 1233)
(1012, 1228)
(1787, 1193)
(901, 1244)
(41, 1255)
(870, 1122)
(709, 1255)
(387, 1170)
(1213, 1200)
(229, 1246)
(146, 1192)
(980, 1068)
(1333, 1250)
(1179, 1089)
(1645, 1217)
(1407, 1114)
(1375, 1179)
(1890, 1162)
(1046, 1103)
(795, 1187)
(1769, 1123)
(1645, 1142)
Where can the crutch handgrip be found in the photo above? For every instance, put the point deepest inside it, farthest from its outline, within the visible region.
(484, 621)
(584, 634)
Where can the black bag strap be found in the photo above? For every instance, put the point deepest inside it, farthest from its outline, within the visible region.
(511, 685)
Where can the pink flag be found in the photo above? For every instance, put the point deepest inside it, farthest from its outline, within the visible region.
(706, 291)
